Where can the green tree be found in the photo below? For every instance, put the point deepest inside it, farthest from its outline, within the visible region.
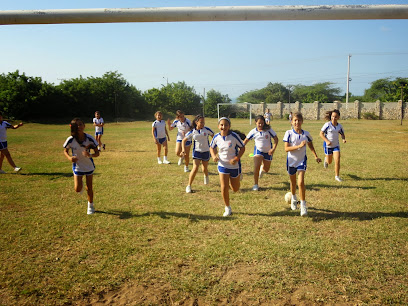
(322, 92)
(210, 104)
(386, 90)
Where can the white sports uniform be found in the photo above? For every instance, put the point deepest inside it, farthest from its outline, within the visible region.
(267, 117)
(4, 125)
(159, 129)
(297, 158)
(182, 128)
(98, 129)
(263, 139)
(200, 138)
(84, 165)
(332, 132)
(227, 149)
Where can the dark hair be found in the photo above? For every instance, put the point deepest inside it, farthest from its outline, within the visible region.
(194, 124)
(179, 113)
(298, 115)
(74, 128)
(265, 126)
(329, 113)
(240, 134)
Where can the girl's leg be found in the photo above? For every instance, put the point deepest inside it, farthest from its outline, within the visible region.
(257, 165)
(329, 158)
(205, 167)
(166, 149)
(187, 156)
(98, 139)
(196, 164)
(178, 149)
(336, 156)
(301, 184)
(293, 184)
(89, 188)
(158, 149)
(78, 183)
(7, 154)
(266, 165)
(1, 159)
(224, 180)
(235, 183)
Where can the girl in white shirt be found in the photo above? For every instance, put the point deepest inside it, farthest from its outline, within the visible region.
(230, 149)
(183, 126)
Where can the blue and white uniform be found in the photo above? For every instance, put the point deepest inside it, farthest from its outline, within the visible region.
(201, 148)
(297, 159)
(227, 150)
(160, 130)
(84, 165)
(98, 129)
(263, 141)
(267, 117)
(182, 129)
(4, 125)
(332, 132)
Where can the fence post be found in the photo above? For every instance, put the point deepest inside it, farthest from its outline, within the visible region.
(280, 109)
(378, 109)
(357, 109)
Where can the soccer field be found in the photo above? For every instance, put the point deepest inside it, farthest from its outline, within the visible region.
(151, 243)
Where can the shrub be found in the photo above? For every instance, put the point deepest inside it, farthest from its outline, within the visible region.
(242, 115)
(370, 116)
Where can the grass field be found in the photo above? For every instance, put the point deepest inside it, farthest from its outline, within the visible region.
(151, 243)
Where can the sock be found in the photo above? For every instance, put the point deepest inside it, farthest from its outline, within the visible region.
(90, 204)
(294, 197)
(302, 202)
(164, 157)
(158, 158)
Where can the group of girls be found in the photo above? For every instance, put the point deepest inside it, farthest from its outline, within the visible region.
(227, 148)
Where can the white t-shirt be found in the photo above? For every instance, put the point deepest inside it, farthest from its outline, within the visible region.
(227, 148)
(98, 129)
(4, 125)
(268, 116)
(332, 132)
(200, 138)
(297, 157)
(183, 127)
(263, 139)
(159, 129)
(83, 164)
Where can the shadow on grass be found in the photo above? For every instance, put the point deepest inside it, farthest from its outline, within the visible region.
(318, 215)
(161, 214)
(338, 186)
(358, 178)
(57, 174)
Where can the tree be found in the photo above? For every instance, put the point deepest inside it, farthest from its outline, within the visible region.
(213, 98)
(386, 90)
(322, 92)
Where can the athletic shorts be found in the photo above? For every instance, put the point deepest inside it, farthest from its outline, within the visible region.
(232, 172)
(204, 156)
(293, 170)
(3, 145)
(80, 173)
(266, 156)
(161, 140)
(329, 151)
(98, 133)
(188, 142)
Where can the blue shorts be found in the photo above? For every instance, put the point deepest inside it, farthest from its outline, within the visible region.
(232, 172)
(98, 133)
(293, 170)
(80, 173)
(266, 156)
(204, 156)
(188, 142)
(161, 140)
(3, 145)
(329, 151)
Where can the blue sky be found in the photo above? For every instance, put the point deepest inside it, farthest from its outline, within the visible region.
(230, 57)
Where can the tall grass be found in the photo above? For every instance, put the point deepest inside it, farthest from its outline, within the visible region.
(351, 248)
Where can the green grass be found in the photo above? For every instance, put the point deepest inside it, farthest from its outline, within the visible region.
(147, 232)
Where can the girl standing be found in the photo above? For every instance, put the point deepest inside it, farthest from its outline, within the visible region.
(331, 145)
(295, 145)
(183, 125)
(267, 116)
(231, 148)
(80, 145)
(4, 152)
(160, 136)
(98, 124)
(201, 150)
(263, 150)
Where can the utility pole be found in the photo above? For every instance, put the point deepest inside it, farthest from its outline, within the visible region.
(348, 81)
(204, 103)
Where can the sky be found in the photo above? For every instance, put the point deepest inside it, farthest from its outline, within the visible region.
(231, 57)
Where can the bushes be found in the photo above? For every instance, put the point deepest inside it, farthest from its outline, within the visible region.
(370, 116)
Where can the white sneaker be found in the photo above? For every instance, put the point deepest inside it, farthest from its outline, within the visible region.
(180, 161)
(91, 210)
(325, 165)
(303, 208)
(293, 204)
(188, 189)
(159, 162)
(261, 172)
(2, 171)
(228, 211)
(17, 169)
(337, 178)
(186, 169)
(255, 188)
(206, 179)
(165, 161)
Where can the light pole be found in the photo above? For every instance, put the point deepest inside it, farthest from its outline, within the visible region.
(348, 81)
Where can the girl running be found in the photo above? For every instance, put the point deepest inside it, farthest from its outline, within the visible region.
(263, 150)
(183, 125)
(80, 145)
(231, 148)
(4, 152)
(98, 124)
(267, 116)
(201, 150)
(331, 145)
(295, 145)
(160, 136)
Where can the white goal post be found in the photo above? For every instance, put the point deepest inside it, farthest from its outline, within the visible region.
(250, 110)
